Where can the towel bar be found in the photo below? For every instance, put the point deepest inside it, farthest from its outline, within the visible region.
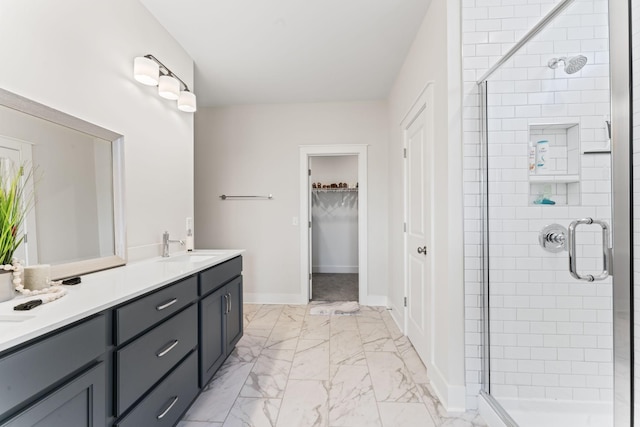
(225, 197)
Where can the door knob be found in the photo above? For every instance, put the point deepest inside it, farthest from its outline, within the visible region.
(422, 250)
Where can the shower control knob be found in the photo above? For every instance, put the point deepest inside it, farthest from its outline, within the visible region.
(422, 250)
(553, 238)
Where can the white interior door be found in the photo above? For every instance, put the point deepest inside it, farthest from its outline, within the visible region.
(418, 143)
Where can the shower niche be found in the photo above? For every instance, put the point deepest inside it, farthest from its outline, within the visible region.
(554, 164)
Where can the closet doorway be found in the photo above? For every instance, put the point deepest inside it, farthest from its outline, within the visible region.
(333, 237)
(334, 228)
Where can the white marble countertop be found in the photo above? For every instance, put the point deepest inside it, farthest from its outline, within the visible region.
(100, 291)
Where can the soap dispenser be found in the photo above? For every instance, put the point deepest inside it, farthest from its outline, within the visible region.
(189, 239)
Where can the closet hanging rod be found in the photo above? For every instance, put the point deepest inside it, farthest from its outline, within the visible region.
(225, 197)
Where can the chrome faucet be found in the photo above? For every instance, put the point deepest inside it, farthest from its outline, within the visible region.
(165, 243)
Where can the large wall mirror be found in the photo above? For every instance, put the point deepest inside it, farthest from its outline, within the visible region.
(77, 221)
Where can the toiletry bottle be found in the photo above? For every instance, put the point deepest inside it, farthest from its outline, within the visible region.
(532, 158)
(189, 239)
(542, 152)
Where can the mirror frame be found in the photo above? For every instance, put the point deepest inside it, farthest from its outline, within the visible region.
(77, 268)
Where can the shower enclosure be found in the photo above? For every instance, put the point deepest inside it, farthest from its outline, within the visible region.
(557, 222)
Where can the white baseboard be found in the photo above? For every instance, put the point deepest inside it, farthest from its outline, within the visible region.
(334, 269)
(397, 314)
(374, 300)
(452, 397)
(270, 298)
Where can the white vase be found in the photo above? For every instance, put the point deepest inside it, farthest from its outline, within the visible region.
(7, 290)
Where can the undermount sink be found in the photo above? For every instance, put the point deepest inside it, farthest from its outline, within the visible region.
(193, 258)
(14, 318)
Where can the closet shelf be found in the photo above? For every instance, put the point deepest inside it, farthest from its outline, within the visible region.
(334, 190)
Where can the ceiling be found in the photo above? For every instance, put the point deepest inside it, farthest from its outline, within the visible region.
(285, 51)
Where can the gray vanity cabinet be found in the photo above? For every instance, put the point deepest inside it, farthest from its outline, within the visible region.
(166, 403)
(220, 315)
(79, 403)
(212, 338)
(155, 335)
(59, 380)
(141, 363)
(234, 316)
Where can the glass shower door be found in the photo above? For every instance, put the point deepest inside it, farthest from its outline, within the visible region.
(548, 225)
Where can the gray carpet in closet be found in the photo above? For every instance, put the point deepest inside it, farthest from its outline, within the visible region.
(335, 287)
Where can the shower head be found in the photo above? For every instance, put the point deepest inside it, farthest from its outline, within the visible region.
(571, 65)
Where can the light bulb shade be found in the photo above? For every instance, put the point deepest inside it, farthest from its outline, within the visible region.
(146, 71)
(169, 87)
(187, 102)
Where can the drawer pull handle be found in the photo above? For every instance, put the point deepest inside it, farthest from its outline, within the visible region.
(166, 411)
(168, 349)
(167, 304)
(229, 299)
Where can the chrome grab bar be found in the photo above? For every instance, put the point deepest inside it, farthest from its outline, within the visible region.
(606, 250)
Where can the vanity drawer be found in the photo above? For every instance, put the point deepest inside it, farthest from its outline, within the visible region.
(27, 372)
(139, 315)
(169, 400)
(213, 278)
(144, 361)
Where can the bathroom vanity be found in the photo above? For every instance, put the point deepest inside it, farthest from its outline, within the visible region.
(132, 346)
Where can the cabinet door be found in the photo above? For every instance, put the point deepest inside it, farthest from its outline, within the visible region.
(212, 341)
(234, 314)
(27, 372)
(78, 403)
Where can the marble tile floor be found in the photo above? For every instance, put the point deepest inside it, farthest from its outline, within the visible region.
(292, 369)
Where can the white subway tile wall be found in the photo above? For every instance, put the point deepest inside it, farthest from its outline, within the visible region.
(550, 335)
(635, 17)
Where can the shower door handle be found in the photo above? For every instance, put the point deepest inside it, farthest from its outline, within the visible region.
(606, 250)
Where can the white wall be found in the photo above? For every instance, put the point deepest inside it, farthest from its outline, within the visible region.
(77, 57)
(434, 57)
(254, 150)
(334, 215)
(334, 169)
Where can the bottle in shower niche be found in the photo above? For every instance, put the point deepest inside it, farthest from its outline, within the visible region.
(542, 154)
(532, 158)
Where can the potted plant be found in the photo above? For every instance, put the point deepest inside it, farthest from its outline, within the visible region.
(15, 202)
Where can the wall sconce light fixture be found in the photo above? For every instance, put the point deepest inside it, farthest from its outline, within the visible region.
(149, 71)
